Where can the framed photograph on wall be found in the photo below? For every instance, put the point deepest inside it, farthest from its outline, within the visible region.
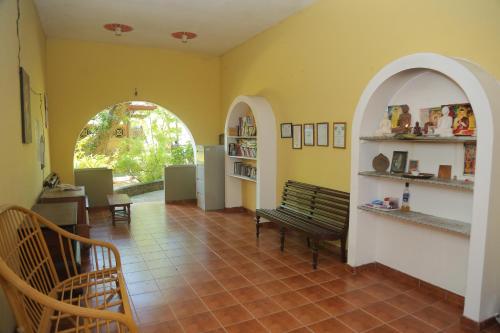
(469, 159)
(308, 134)
(322, 130)
(339, 135)
(25, 106)
(297, 136)
(286, 130)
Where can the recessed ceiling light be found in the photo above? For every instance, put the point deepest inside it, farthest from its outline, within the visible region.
(184, 36)
(118, 28)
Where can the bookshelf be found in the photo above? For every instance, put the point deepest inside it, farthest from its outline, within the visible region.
(250, 152)
(452, 230)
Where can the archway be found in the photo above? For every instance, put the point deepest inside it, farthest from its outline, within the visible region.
(135, 139)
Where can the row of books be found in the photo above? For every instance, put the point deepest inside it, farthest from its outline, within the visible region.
(245, 170)
(246, 126)
(245, 148)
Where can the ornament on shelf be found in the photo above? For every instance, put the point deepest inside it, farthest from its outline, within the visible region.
(381, 163)
(400, 118)
(445, 123)
(384, 127)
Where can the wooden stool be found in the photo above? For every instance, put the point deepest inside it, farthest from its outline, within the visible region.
(119, 205)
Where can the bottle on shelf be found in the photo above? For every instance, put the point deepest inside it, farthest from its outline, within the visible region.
(405, 205)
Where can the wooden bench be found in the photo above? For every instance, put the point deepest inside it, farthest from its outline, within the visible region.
(119, 205)
(320, 213)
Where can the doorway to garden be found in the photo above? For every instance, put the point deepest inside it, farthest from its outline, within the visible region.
(135, 140)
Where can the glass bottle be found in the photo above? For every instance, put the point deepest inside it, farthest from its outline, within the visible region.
(405, 206)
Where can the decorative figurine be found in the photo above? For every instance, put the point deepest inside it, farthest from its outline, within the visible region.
(445, 123)
(384, 127)
(404, 121)
(417, 130)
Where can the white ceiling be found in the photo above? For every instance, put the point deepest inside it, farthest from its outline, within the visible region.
(220, 24)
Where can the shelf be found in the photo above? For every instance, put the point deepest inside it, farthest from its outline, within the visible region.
(422, 139)
(244, 178)
(241, 137)
(423, 219)
(456, 184)
(242, 157)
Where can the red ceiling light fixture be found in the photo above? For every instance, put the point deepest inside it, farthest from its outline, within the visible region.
(184, 36)
(118, 28)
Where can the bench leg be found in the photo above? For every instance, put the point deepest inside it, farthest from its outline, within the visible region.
(343, 249)
(112, 210)
(127, 209)
(308, 243)
(315, 254)
(282, 239)
(257, 226)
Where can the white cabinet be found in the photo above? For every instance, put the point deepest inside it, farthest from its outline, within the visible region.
(210, 177)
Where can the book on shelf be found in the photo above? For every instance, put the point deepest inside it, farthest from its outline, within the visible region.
(243, 148)
(246, 126)
(245, 170)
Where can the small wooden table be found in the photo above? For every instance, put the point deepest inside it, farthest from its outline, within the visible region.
(119, 205)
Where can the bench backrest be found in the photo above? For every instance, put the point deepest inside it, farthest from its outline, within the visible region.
(318, 205)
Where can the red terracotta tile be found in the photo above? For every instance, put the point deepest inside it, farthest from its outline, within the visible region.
(273, 287)
(384, 311)
(335, 305)
(165, 327)
(338, 286)
(382, 329)
(410, 324)
(141, 287)
(232, 315)
(423, 297)
(315, 293)
(297, 282)
(247, 294)
(279, 322)
(282, 272)
(290, 300)
(262, 307)
(219, 300)
(155, 315)
(320, 276)
(358, 297)
(329, 326)
(207, 288)
(200, 323)
(235, 282)
(381, 291)
(259, 277)
(178, 294)
(309, 313)
(436, 317)
(359, 320)
(406, 303)
(251, 326)
(188, 308)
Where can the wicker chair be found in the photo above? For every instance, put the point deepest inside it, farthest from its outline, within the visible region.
(95, 301)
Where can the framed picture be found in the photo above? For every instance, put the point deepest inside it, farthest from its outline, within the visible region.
(413, 166)
(469, 158)
(297, 136)
(322, 134)
(286, 130)
(24, 80)
(308, 134)
(398, 164)
(339, 135)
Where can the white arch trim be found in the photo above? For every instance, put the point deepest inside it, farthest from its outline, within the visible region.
(482, 296)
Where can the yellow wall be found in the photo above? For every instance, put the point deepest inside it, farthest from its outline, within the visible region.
(314, 66)
(86, 77)
(20, 173)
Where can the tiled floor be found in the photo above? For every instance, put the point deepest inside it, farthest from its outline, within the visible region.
(190, 271)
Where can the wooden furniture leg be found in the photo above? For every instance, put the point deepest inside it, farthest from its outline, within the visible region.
(282, 239)
(257, 226)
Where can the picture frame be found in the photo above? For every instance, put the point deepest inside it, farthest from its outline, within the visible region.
(469, 159)
(297, 136)
(339, 135)
(286, 130)
(322, 134)
(308, 134)
(413, 166)
(26, 130)
(398, 163)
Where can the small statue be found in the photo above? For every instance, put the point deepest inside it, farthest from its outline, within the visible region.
(445, 123)
(417, 130)
(404, 121)
(384, 127)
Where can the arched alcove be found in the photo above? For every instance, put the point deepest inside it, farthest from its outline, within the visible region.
(265, 160)
(458, 256)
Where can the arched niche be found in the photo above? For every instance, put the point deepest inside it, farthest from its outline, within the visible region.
(462, 264)
(266, 152)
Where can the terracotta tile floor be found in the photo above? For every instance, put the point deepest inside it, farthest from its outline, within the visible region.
(190, 271)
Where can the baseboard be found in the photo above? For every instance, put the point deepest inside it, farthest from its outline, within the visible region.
(181, 202)
(477, 326)
(425, 287)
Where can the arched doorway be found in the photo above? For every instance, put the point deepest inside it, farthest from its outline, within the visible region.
(135, 139)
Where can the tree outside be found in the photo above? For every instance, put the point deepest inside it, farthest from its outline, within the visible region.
(136, 140)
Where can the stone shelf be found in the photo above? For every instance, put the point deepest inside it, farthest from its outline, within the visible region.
(456, 184)
(243, 177)
(424, 139)
(423, 219)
